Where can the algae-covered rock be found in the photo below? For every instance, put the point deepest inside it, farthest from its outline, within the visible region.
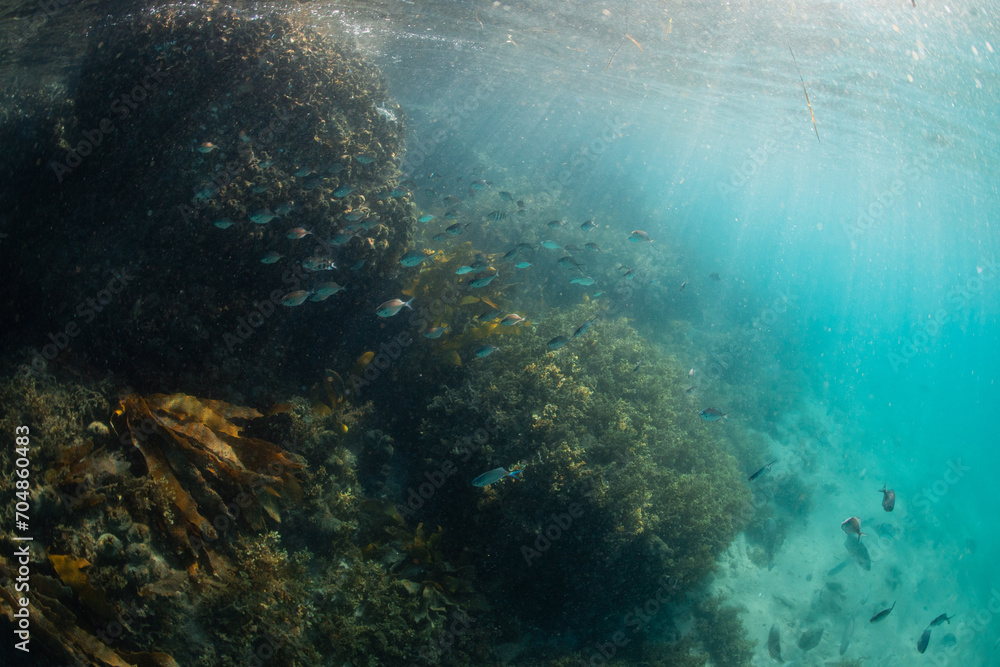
(194, 142)
(622, 486)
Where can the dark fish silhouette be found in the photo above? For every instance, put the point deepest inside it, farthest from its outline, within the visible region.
(810, 639)
(924, 640)
(941, 619)
(774, 643)
(888, 498)
(859, 552)
(761, 470)
(882, 614)
(845, 641)
(770, 540)
(840, 566)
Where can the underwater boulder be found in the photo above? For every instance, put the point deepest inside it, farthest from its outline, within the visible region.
(194, 142)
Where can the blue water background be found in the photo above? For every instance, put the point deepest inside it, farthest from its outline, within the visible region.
(893, 323)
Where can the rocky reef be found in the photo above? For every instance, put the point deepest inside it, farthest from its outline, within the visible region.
(193, 146)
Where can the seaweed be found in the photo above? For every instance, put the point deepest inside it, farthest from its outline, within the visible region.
(722, 633)
(188, 444)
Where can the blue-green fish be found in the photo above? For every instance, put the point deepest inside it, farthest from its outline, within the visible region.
(551, 245)
(223, 223)
(712, 415)
(415, 257)
(588, 225)
(554, 224)
(486, 350)
(483, 282)
(335, 168)
(357, 266)
(393, 306)
(425, 218)
(396, 193)
(638, 236)
(302, 172)
(270, 257)
(343, 191)
(365, 158)
(582, 281)
(262, 216)
(522, 265)
(497, 216)
(441, 238)
(354, 216)
(284, 208)
(583, 328)
(506, 195)
(494, 476)
(462, 270)
(557, 342)
(593, 247)
(511, 320)
(341, 238)
(456, 229)
(435, 332)
(490, 314)
(296, 298)
(324, 291)
(451, 215)
(266, 164)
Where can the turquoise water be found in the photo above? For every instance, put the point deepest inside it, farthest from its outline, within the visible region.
(880, 236)
(836, 284)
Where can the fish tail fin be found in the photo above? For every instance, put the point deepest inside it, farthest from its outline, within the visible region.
(407, 304)
(516, 474)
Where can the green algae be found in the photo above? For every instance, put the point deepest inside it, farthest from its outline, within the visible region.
(655, 487)
(722, 633)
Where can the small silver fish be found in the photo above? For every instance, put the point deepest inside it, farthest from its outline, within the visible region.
(324, 291)
(638, 236)
(551, 245)
(713, 415)
(495, 475)
(462, 270)
(486, 350)
(317, 263)
(262, 216)
(511, 320)
(297, 233)
(296, 298)
(435, 332)
(393, 306)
